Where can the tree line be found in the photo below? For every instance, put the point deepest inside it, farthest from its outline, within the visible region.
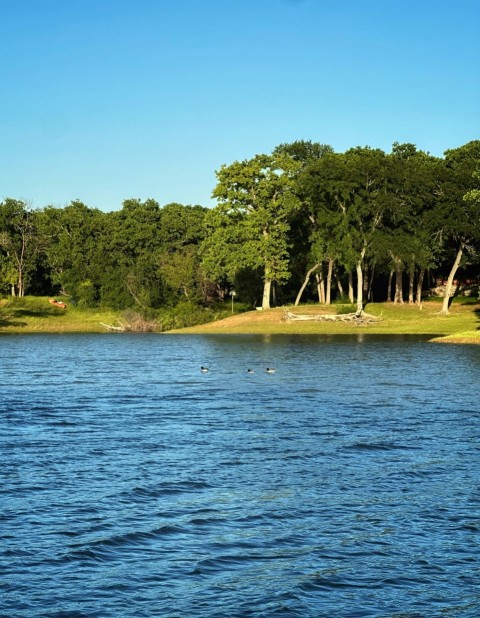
(301, 223)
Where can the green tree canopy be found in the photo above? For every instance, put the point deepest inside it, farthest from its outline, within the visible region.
(249, 227)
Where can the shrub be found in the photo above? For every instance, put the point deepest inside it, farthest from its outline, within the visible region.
(343, 309)
(188, 314)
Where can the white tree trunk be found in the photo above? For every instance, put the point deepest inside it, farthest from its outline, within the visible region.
(320, 287)
(267, 286)
(398, 281)
(421, 275)
(448, 288)
(389, 288)
(359, 287)
(360, 282)
(341, 291)
(350, 287)
(329, 282)
(305, 283)
(411, 281)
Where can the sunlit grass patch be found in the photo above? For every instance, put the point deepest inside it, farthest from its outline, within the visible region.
(395, 320)
(469, 336)
(37, 315)
(34, 314)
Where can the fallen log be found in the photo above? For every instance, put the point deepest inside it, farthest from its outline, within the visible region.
(117, 329)
(357, 318)
(135, 324)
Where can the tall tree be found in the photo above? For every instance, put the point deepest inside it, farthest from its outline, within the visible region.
(73, 239)
(457, 216)
(18, 245)
(350, 191)
(135, 229)
(181, 226)
(181, 233)
(131, 275)
(408, 242)
(316, 242)
(249, 226)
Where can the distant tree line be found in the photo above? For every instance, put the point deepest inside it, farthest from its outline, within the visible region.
(301, 223)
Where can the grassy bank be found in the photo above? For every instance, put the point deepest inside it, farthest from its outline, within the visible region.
(36, 315)
(461, 326)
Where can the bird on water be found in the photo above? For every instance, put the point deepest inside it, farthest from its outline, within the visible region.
(204, 369)
(250, 371)
(270, 370)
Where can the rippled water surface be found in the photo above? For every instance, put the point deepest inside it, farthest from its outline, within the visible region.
(132, 484)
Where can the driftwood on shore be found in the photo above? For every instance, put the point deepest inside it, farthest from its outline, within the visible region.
(357, 318)
(132, 323)
(117, 329)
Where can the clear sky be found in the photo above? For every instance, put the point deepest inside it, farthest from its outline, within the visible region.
(104, 100)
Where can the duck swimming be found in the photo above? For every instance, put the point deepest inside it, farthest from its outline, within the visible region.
(204, 369)
(250, 371)
(270, 370)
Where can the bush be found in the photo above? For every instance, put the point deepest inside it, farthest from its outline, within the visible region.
(188, 314)
(85, 295)
(137, 322)
(344, 309)
(341, 300)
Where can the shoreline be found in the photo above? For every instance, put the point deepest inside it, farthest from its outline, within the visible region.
(461, 326)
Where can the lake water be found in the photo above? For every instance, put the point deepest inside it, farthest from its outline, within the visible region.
(347, 484)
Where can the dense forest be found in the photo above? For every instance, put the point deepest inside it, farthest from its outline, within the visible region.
(303, 223)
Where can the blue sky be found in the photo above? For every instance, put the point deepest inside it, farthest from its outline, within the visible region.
(104, 100)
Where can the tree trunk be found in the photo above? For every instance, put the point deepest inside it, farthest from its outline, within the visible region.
(350, 287)
(421, 275)
(370, 284)
(398, 281)
(365, 281)
(267, 286)
(329, 282)
(305, 282)
(21, 266)
(341, 291)
(360, 282)
(359, 287)
(389, 288)
(411, 281)
(448, 288)
(274, 293)
(320, 286)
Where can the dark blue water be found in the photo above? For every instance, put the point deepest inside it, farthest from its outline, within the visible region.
(345, 484)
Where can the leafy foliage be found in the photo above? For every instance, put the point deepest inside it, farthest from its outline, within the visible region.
(303, 211)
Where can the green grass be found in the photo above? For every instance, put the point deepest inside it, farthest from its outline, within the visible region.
(396, 320)
(36, 315)
(469, 336)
